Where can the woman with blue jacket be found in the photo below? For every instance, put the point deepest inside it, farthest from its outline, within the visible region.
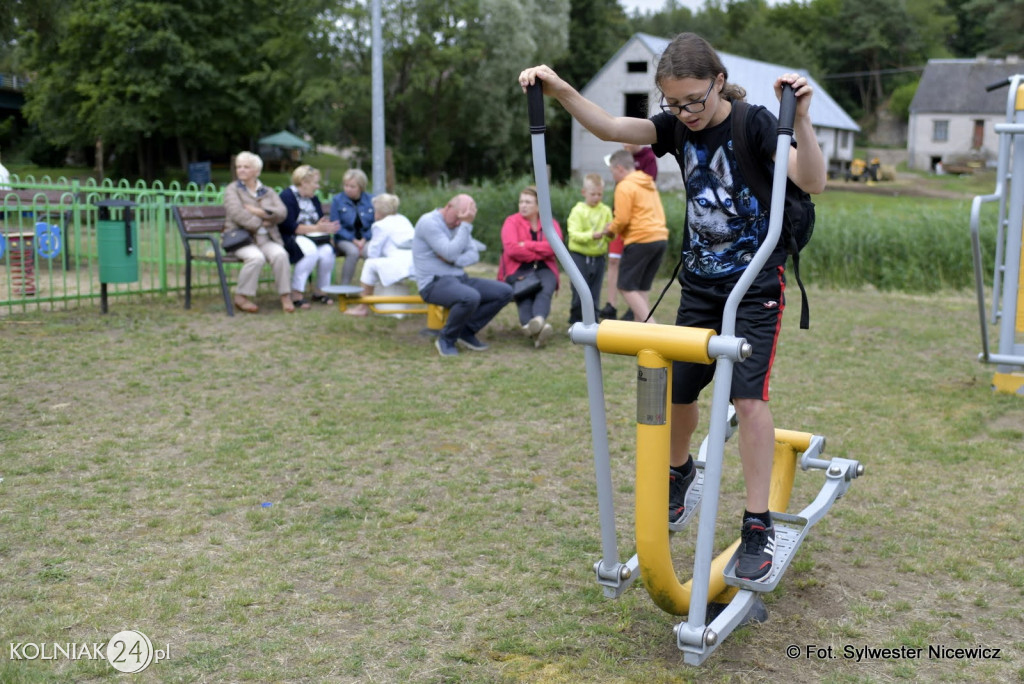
(353, 210)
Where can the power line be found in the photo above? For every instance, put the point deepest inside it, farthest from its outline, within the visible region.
(872, 72)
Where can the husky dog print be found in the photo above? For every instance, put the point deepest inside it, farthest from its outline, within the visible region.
(721, 217)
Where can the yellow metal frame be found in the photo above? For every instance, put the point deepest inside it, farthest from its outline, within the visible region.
(436, 315)
(1020, 295)
(655, 347)
(1008, 383)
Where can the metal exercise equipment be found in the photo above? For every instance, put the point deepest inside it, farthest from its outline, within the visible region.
(1007, 289)
(714, 587)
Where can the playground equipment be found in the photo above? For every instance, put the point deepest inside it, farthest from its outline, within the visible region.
(390, 302)
(1007, 289)
(715, 601)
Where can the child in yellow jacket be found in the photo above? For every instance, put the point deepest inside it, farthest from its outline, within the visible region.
(588, 242)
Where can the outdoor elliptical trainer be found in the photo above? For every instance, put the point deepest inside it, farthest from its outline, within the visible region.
(656, 346)
(1007, 287)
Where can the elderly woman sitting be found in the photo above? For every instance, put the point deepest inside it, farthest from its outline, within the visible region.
(253, 206)
(389, 253)
(307, 233)
(353, 210)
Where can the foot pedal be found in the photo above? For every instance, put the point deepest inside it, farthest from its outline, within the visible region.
(790, 531)
(692, 499)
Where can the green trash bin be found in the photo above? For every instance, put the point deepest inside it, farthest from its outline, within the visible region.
(117, 239)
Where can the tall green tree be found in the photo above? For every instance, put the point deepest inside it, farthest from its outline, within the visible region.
(21, 20)
(1004, 25)
(516, 34)
(430, 51)
(138, 74)
(967, 39)
(451, 100)
(861, 39)
(596, 31)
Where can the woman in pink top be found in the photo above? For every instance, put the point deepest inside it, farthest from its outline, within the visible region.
(526, 252)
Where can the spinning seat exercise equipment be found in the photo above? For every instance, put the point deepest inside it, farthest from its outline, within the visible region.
(715, 601)
(1007, 289)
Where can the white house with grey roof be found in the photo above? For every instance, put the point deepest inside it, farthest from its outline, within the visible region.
(952, 116)
(625, 87)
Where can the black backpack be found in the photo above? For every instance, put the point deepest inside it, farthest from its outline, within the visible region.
(798, 212)
(798, 218)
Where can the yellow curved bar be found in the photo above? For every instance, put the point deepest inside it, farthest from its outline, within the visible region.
(800, 441)
(652, 548)
(673, 342)
(652, 536)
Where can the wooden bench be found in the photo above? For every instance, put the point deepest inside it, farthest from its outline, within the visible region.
(203, 224)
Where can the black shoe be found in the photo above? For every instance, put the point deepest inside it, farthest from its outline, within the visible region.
(757, 550)
(628, 316)
(608, 311)
(470, 341)
(678, 487)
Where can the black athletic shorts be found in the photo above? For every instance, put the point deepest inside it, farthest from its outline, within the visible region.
(639, 264)
(758, 319)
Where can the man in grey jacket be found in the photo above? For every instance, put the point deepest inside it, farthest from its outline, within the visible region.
(442, 247)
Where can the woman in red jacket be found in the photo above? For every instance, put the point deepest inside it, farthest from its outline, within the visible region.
(528, 257)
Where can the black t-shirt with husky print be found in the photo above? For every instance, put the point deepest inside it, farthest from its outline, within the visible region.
(725, 224)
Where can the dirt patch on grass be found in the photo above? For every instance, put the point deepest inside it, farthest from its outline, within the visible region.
(905, 185)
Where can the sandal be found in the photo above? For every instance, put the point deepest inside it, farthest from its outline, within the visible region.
(246, 306)
(300, 304)
(322, 299)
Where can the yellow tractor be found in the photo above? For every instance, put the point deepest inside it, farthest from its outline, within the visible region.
(862, 171)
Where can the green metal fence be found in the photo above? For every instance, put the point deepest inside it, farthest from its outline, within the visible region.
(48, 240)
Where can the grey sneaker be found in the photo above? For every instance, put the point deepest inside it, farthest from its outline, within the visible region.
(533, 326)
(757, 550)
(543, 336)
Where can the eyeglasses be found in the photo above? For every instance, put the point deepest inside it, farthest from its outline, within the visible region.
(695, 107)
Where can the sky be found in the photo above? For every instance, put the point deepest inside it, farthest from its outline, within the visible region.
(649, 5)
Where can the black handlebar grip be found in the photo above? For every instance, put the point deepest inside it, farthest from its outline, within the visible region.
(535, 106)
(997, 85)
(787, 110)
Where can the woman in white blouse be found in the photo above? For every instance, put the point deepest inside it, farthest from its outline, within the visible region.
(389, 252)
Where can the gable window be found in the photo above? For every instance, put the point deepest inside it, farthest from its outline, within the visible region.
(636, 105)
(844, 139)
(636, 67)
(940, 130)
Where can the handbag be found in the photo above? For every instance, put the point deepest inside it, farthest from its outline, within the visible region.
(320, 238)
(234, 238)
(525, 286)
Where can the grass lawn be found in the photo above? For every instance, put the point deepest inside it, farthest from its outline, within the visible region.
(315, 498)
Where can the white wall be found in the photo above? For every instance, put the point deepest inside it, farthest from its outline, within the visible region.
(922, 148)
(607, 90)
